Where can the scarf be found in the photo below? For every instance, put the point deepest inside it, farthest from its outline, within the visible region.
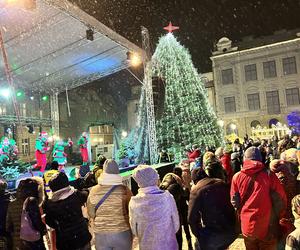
(150, 190)
(110, 179)
(62, 194)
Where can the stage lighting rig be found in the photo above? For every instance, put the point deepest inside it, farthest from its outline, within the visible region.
(30, 129)
(90, 34)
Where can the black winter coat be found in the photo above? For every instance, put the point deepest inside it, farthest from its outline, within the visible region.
(5, 198)
(65, 216)
(14, 223)
(211, 215)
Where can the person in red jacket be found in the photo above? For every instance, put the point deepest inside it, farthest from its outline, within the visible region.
(194, 153)
(225, 158)
(250, 193)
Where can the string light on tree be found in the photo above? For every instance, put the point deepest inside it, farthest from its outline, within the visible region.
(188, 117)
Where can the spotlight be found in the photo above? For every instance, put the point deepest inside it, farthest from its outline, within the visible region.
(134, 59)
(90, 34)
(45, 98)
(124, 134)
(20, 93)
(31, 98)
(5, 92)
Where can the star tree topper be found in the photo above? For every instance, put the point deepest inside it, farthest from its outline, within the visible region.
(170, 28)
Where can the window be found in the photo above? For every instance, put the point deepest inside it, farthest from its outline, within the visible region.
(253, 101)
(254, 124)
(269, 69)
(22, 109)
(229, 103)
(25, 146)
(289, 65)
(272, 122)
(292, 96)
(227, 76)
(273, 102)
(250, 72)
(2, 109)
(105, 149)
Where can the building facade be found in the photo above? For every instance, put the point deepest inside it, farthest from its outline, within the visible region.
(256, 82)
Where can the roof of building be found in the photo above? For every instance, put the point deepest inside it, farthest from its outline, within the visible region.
(251, 42)
(48, 49)
(278, 36)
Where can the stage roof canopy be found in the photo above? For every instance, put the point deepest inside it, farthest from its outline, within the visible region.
(48, 50)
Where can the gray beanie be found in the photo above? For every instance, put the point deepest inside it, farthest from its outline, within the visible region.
(252, 153)
(111, 167)
(145, 176)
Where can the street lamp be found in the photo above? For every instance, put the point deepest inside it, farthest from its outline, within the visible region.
(221, 123)
(233, 127)
(134, 59)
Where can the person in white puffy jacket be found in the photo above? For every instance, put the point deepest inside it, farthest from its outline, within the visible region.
(153, 214)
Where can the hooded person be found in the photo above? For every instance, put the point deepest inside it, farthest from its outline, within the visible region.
(110, 217)
(64, 214)
(29, 198)
(153, 213)
(293, 239)
(174, 184)
(254, 187)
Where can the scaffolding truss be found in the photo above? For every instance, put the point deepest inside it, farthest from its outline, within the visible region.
(149, 97)
(55, 113)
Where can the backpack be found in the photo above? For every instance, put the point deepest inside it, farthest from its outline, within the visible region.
(27, 232)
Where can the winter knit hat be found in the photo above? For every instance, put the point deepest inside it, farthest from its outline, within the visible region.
(58, 181)
(277, 165)
(252, 153)
(145, 176)
(219, 152)
(290, 155)
(208, 157)
(111, 167)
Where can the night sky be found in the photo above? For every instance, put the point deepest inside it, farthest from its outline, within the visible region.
(202, 22)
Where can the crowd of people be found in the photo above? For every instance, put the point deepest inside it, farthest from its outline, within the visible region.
(248, 189)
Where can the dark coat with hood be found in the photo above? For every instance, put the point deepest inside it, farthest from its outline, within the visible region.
(31, 188)
(64, 214)
(174, 185)
(211, 215)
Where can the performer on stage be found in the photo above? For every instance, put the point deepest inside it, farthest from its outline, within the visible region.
(59, 154)
(41, 148)
(83, 144)
(8, 150)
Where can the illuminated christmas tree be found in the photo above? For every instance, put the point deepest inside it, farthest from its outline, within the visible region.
(188, 118)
